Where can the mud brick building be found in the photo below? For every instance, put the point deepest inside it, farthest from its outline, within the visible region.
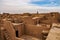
(28, 26)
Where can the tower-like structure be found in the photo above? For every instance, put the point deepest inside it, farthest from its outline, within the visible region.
(37, 12)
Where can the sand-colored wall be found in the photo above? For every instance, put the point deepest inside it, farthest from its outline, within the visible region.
(19, 27)
(9, 28)
(35, 30)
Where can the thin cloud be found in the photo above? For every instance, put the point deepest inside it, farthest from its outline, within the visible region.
(37, 0)
(21, 6)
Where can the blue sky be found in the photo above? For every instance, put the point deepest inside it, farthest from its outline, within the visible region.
(20, 6)
(49, 3)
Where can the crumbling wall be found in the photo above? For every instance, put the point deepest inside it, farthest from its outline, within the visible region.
(20, 28)
(9, 28)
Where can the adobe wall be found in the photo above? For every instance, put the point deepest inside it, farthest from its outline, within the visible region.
(35, 30)
(1, 33)
(28, 20)
(9, 30)
(19, 27)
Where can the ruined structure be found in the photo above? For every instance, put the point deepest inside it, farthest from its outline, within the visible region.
(28, 26)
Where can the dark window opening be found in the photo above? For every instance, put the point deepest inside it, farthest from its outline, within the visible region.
(16, 33)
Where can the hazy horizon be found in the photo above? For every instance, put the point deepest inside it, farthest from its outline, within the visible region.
(30, 6)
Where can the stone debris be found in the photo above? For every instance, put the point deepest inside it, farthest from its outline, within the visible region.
(54, 33)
